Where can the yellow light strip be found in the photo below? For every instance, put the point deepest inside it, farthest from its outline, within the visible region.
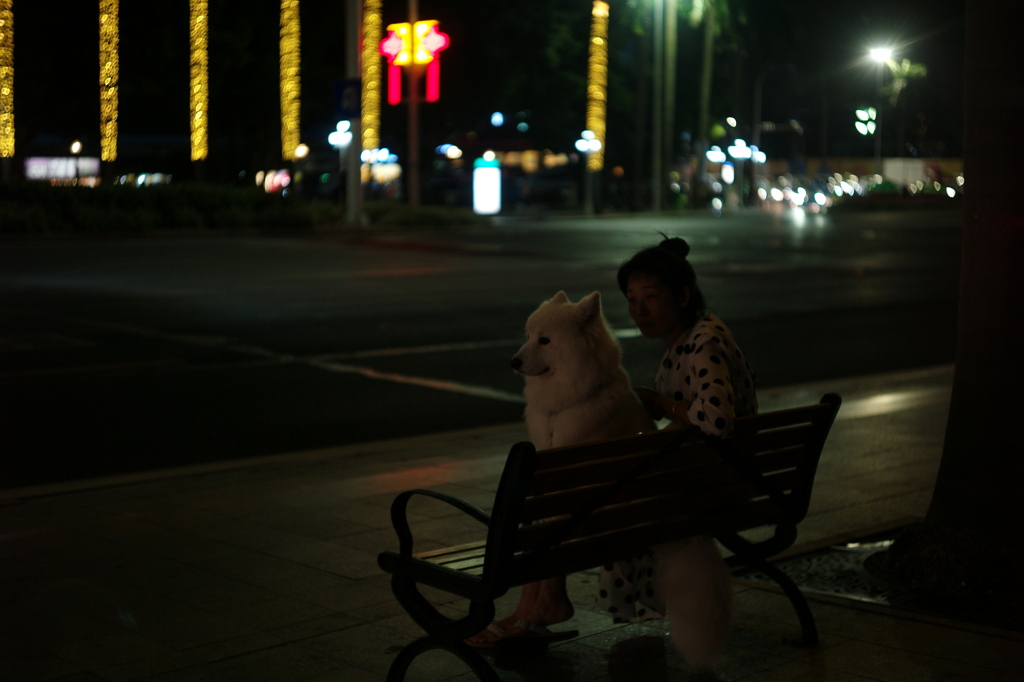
(290, 86)
(199, 78)
(6, 78)
(109, 73)
(373, 33)
(597, 82)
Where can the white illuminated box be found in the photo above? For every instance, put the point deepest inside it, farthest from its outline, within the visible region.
(487, 185)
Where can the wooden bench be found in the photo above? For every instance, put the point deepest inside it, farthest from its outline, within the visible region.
(569, 509)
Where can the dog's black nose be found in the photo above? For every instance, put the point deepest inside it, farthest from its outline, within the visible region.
(516, 363)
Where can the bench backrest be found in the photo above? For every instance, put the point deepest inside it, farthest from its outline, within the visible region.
(591, 504)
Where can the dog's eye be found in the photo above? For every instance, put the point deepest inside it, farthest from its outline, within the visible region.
(543, 340)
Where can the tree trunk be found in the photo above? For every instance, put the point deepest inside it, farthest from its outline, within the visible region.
(982, 468)
(700, 194)
(968, 552)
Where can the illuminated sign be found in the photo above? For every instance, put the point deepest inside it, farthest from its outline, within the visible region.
(487, 184)
(60, 167)
(417, 43)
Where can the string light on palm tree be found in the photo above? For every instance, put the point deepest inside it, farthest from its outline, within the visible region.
(290, 83)
(198, 76)
(6, 78)
(109, 73)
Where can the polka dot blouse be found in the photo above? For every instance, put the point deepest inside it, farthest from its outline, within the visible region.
(705, 368)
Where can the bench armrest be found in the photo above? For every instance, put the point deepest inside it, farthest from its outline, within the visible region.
(401, 523)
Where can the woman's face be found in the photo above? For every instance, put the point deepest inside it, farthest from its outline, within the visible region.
(654, 308)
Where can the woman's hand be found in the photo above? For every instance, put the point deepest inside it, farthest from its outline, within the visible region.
(653, 402)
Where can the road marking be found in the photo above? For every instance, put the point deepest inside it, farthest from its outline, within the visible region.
(323, 362)
(439, 384)
(418, 350)
(333, 362)
(401, 272)
(147, 364)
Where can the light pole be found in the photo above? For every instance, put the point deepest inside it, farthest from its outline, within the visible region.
(341, 138)
(76, 149)
(882, 55)
(587, 145)
(740, 152)
(301, 152)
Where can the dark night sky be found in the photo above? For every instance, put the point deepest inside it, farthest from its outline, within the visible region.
(811, 45)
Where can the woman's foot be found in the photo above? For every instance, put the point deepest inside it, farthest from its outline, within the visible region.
(522, 630)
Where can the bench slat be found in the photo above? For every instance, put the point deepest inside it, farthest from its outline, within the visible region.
(817, 414)
(685, 486)
(637, 511)
(556, 458)
(613, 469)
(580, 484)
(618, 462)
(653, 484)
(603, 549)
(454, 551)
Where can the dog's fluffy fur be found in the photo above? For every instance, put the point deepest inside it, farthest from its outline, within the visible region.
(577, 391)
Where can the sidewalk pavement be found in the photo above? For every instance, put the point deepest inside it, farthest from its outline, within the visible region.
(266, 569)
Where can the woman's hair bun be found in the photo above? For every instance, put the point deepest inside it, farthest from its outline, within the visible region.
(677, 246)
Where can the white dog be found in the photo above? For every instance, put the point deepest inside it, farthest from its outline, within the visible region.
(577, 391)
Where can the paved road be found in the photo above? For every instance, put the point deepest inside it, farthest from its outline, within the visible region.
(126, 355)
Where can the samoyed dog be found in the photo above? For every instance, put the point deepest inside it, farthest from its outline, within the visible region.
(577, 391)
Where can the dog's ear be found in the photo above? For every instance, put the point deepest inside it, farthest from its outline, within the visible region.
(560, 297)
(589, 308)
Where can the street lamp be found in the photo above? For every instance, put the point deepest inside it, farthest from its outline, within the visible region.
(882, 55)
(76, 149)
(301, 152)
(739, 151)
(588, 144)
(341, 138)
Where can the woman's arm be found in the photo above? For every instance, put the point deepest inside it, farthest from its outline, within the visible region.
(663, 407)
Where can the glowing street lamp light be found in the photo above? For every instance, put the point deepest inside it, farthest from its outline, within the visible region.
(866, 118)
(882, 55)
(76, 149)
(341, 138)
(588, 145)
(715, 155)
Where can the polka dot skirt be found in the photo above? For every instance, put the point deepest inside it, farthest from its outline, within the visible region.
(626, 590)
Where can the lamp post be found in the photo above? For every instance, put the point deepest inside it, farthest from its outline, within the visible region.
(587, 145)
(301, 152)
(882, 55)
(740, 152)
(341, 138)
(76, 149)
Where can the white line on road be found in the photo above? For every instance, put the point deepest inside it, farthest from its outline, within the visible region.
(441, 385)
(323, 362)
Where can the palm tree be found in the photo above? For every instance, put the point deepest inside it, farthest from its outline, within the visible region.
(902, 72)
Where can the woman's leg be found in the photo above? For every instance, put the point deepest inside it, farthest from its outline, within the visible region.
(545, 602)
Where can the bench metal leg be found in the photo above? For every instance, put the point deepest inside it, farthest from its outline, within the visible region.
(480, 667)
(796, 598)
(435, 623)
(750, 554)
